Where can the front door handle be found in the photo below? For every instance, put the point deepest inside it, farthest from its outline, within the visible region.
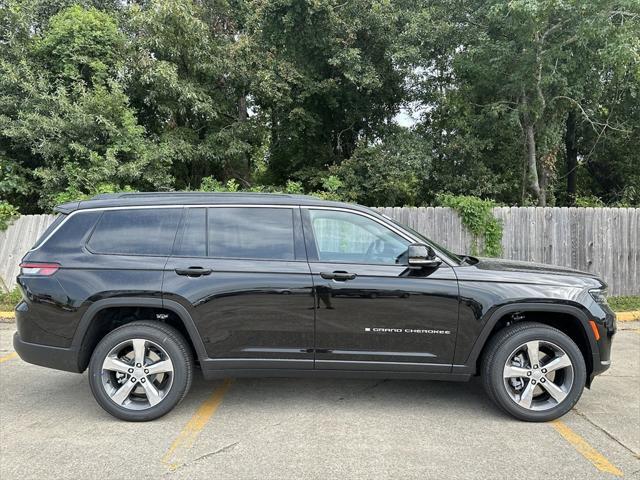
(338, 276)
(193, 271)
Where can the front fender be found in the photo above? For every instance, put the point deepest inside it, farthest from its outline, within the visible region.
(493, 316)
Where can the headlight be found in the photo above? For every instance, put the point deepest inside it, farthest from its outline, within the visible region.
(600, 296)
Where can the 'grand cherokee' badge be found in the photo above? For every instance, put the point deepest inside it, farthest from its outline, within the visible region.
(407, 330)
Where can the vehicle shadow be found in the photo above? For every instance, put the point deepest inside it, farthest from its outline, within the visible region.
(434, 397)
(62, 394)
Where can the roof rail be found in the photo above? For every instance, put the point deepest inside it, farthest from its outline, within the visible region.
(109, 196)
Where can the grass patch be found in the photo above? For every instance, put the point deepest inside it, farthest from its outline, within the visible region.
(624, 304)
(9, 300)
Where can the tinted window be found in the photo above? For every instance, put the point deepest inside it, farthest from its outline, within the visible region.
(352, 238)
(58, 220)
(136, 232)
(261, 233)
(191, 241)
(72, 233)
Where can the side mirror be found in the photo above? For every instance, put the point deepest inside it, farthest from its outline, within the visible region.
(422, 256)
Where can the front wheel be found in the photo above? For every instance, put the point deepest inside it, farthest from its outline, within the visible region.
(140, 371)
(534, 372)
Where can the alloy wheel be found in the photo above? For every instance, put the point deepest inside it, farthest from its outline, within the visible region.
(538, 375)
(137, 374)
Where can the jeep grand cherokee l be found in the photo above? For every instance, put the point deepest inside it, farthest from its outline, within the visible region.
(140, 288)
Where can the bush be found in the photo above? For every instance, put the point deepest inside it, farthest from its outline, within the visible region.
(386, 173)
(589, 201)
(330, 184)
(624, 304)
(7, 213)
(72, 194)
(9, 300)
(477, 216)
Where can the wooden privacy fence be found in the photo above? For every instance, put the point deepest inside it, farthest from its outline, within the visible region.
(14, 243)
(600, 240)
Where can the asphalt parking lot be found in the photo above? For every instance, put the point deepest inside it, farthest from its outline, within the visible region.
(50, 427)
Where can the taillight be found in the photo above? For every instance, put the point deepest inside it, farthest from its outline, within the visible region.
(41, 269)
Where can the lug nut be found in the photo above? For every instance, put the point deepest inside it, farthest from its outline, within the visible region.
(528, 374)
(544, 370)
(542, 380)
(143, 380)
(138, 365)
(133, 379)
(131, 370)
(533, 382)
(146, 370)
(535, 366)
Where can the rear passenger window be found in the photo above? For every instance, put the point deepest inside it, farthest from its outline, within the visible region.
(260, 233)
(136, 231)
(192, 241)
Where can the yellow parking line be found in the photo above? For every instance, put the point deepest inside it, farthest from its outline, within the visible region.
(187, 437)
(8, 357)
(628, 316)
(7, 314)
(586, 450)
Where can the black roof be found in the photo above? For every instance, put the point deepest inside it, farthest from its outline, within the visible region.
(197, 198)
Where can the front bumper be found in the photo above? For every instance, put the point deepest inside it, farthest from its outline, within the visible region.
(46, 355)
(607, 327)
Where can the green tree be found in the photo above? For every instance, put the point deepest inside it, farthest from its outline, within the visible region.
(526, 101)
(81, 45)
(72, 114)
(389, 172)
(507, 76)
(189, 86)
(325, 79)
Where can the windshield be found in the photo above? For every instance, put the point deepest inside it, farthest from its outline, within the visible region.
(451, 255)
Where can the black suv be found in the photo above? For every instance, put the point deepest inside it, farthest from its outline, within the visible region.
(140, 287)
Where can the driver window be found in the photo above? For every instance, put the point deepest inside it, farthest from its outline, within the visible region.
(344, 237)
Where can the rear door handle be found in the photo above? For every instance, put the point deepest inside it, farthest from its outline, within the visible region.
(338, 276)
(193, 271)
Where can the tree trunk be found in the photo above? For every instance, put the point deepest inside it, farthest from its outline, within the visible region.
(525, 162)
(531, 163)
(534, 181)
(243, 115)
(571, 147)
(242, 109)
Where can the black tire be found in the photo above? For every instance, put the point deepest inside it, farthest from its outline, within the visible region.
(498, 351)
(176, 348)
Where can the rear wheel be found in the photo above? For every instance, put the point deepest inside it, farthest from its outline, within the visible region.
(140, 371)
(534, 372)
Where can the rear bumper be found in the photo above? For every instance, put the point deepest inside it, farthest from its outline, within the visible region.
(46, 355)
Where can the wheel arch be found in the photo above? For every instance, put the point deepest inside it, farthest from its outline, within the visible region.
(88, 334)
(569, 319)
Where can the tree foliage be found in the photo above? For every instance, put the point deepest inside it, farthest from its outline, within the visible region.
(508, 82)
(522, 102)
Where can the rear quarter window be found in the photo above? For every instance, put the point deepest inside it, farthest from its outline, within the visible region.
(136, 231)
(56, 222)
(69, 236)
